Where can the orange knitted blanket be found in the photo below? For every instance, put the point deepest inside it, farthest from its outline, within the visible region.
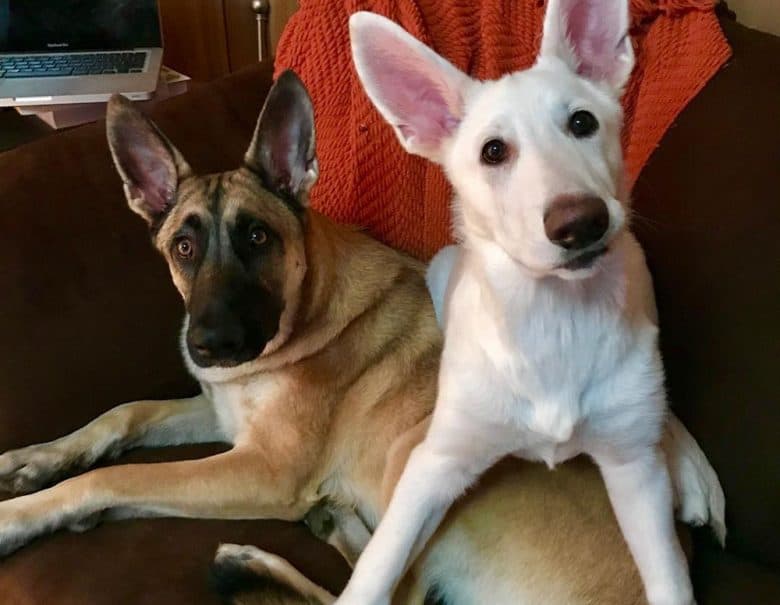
(366, 177)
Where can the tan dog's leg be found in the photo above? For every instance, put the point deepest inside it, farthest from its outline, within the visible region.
(139, 424)
(239, 484)
(398, 455)
(341, 527)
(283, 583)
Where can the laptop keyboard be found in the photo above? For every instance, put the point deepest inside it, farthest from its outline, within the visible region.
(54, 66)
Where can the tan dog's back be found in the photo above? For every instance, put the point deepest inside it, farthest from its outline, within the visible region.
(529, 535)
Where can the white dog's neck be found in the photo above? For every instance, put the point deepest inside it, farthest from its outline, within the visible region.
(552, 339)
(516, 288)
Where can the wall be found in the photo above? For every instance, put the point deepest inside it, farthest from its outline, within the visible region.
(758, 14)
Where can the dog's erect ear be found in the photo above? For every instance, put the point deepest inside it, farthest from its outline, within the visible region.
(150, 166)
(591, 36)
(282, 152)
(418, 92)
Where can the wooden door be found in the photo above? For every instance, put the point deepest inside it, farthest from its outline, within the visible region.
(195, 37)
(207, 39)
(242, 37)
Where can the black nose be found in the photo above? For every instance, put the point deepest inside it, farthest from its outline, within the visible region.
(576, 221)
(215, 342)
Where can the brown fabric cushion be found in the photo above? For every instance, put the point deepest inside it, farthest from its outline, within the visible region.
(90, 319)
(88, 313)
(708, 212)
(724, 579)
(152, 561)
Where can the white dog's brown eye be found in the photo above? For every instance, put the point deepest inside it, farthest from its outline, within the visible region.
(494, 151)
(583, 124)
(257, 237)
(184, 248)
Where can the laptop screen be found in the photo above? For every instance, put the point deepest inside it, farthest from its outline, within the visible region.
(70, 25)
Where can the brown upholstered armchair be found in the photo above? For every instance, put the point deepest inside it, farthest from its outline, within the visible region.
(89, 319)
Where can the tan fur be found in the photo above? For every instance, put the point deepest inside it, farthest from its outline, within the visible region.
(356, 384)
(329, 411)
(280, 572)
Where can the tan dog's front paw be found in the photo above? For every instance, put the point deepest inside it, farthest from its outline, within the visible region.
(31, 468)
(235, 565)
(16, 527)
(25, 518)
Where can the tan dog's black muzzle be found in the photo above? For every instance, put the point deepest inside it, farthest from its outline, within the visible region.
(231, 321)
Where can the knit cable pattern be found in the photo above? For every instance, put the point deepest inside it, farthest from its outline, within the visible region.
(367, 179)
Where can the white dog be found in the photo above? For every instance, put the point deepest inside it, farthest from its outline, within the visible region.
(551, 340)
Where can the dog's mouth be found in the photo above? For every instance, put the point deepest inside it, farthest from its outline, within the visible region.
(204, 359)
(585, 260)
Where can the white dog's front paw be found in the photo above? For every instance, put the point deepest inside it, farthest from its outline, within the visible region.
(676, 590)
(352, 597)
(700, 498)
(348, 600)
(698, 494)
(663, 597)
(666, 601)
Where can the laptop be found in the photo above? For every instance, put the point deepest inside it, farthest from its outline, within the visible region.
(78, 51)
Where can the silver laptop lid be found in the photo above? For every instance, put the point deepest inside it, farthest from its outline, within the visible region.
(53, 26)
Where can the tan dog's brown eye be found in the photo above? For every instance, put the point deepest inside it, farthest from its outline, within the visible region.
(257, 237)
(494, 151)
(184, 248)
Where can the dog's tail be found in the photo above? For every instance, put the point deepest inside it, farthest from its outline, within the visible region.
(246, 575)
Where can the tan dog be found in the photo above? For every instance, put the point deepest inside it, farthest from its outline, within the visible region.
(318, 352)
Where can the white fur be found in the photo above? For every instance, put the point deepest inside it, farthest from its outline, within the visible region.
(238, 404)
(540, 361)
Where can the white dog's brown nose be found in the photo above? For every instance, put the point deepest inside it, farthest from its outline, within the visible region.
(576, 221)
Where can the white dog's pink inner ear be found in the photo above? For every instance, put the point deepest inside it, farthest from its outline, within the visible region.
(593, 32)
(412, 90)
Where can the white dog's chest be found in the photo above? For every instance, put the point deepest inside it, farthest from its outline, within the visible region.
(557, 386)
(561, 406)
(565, 371)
